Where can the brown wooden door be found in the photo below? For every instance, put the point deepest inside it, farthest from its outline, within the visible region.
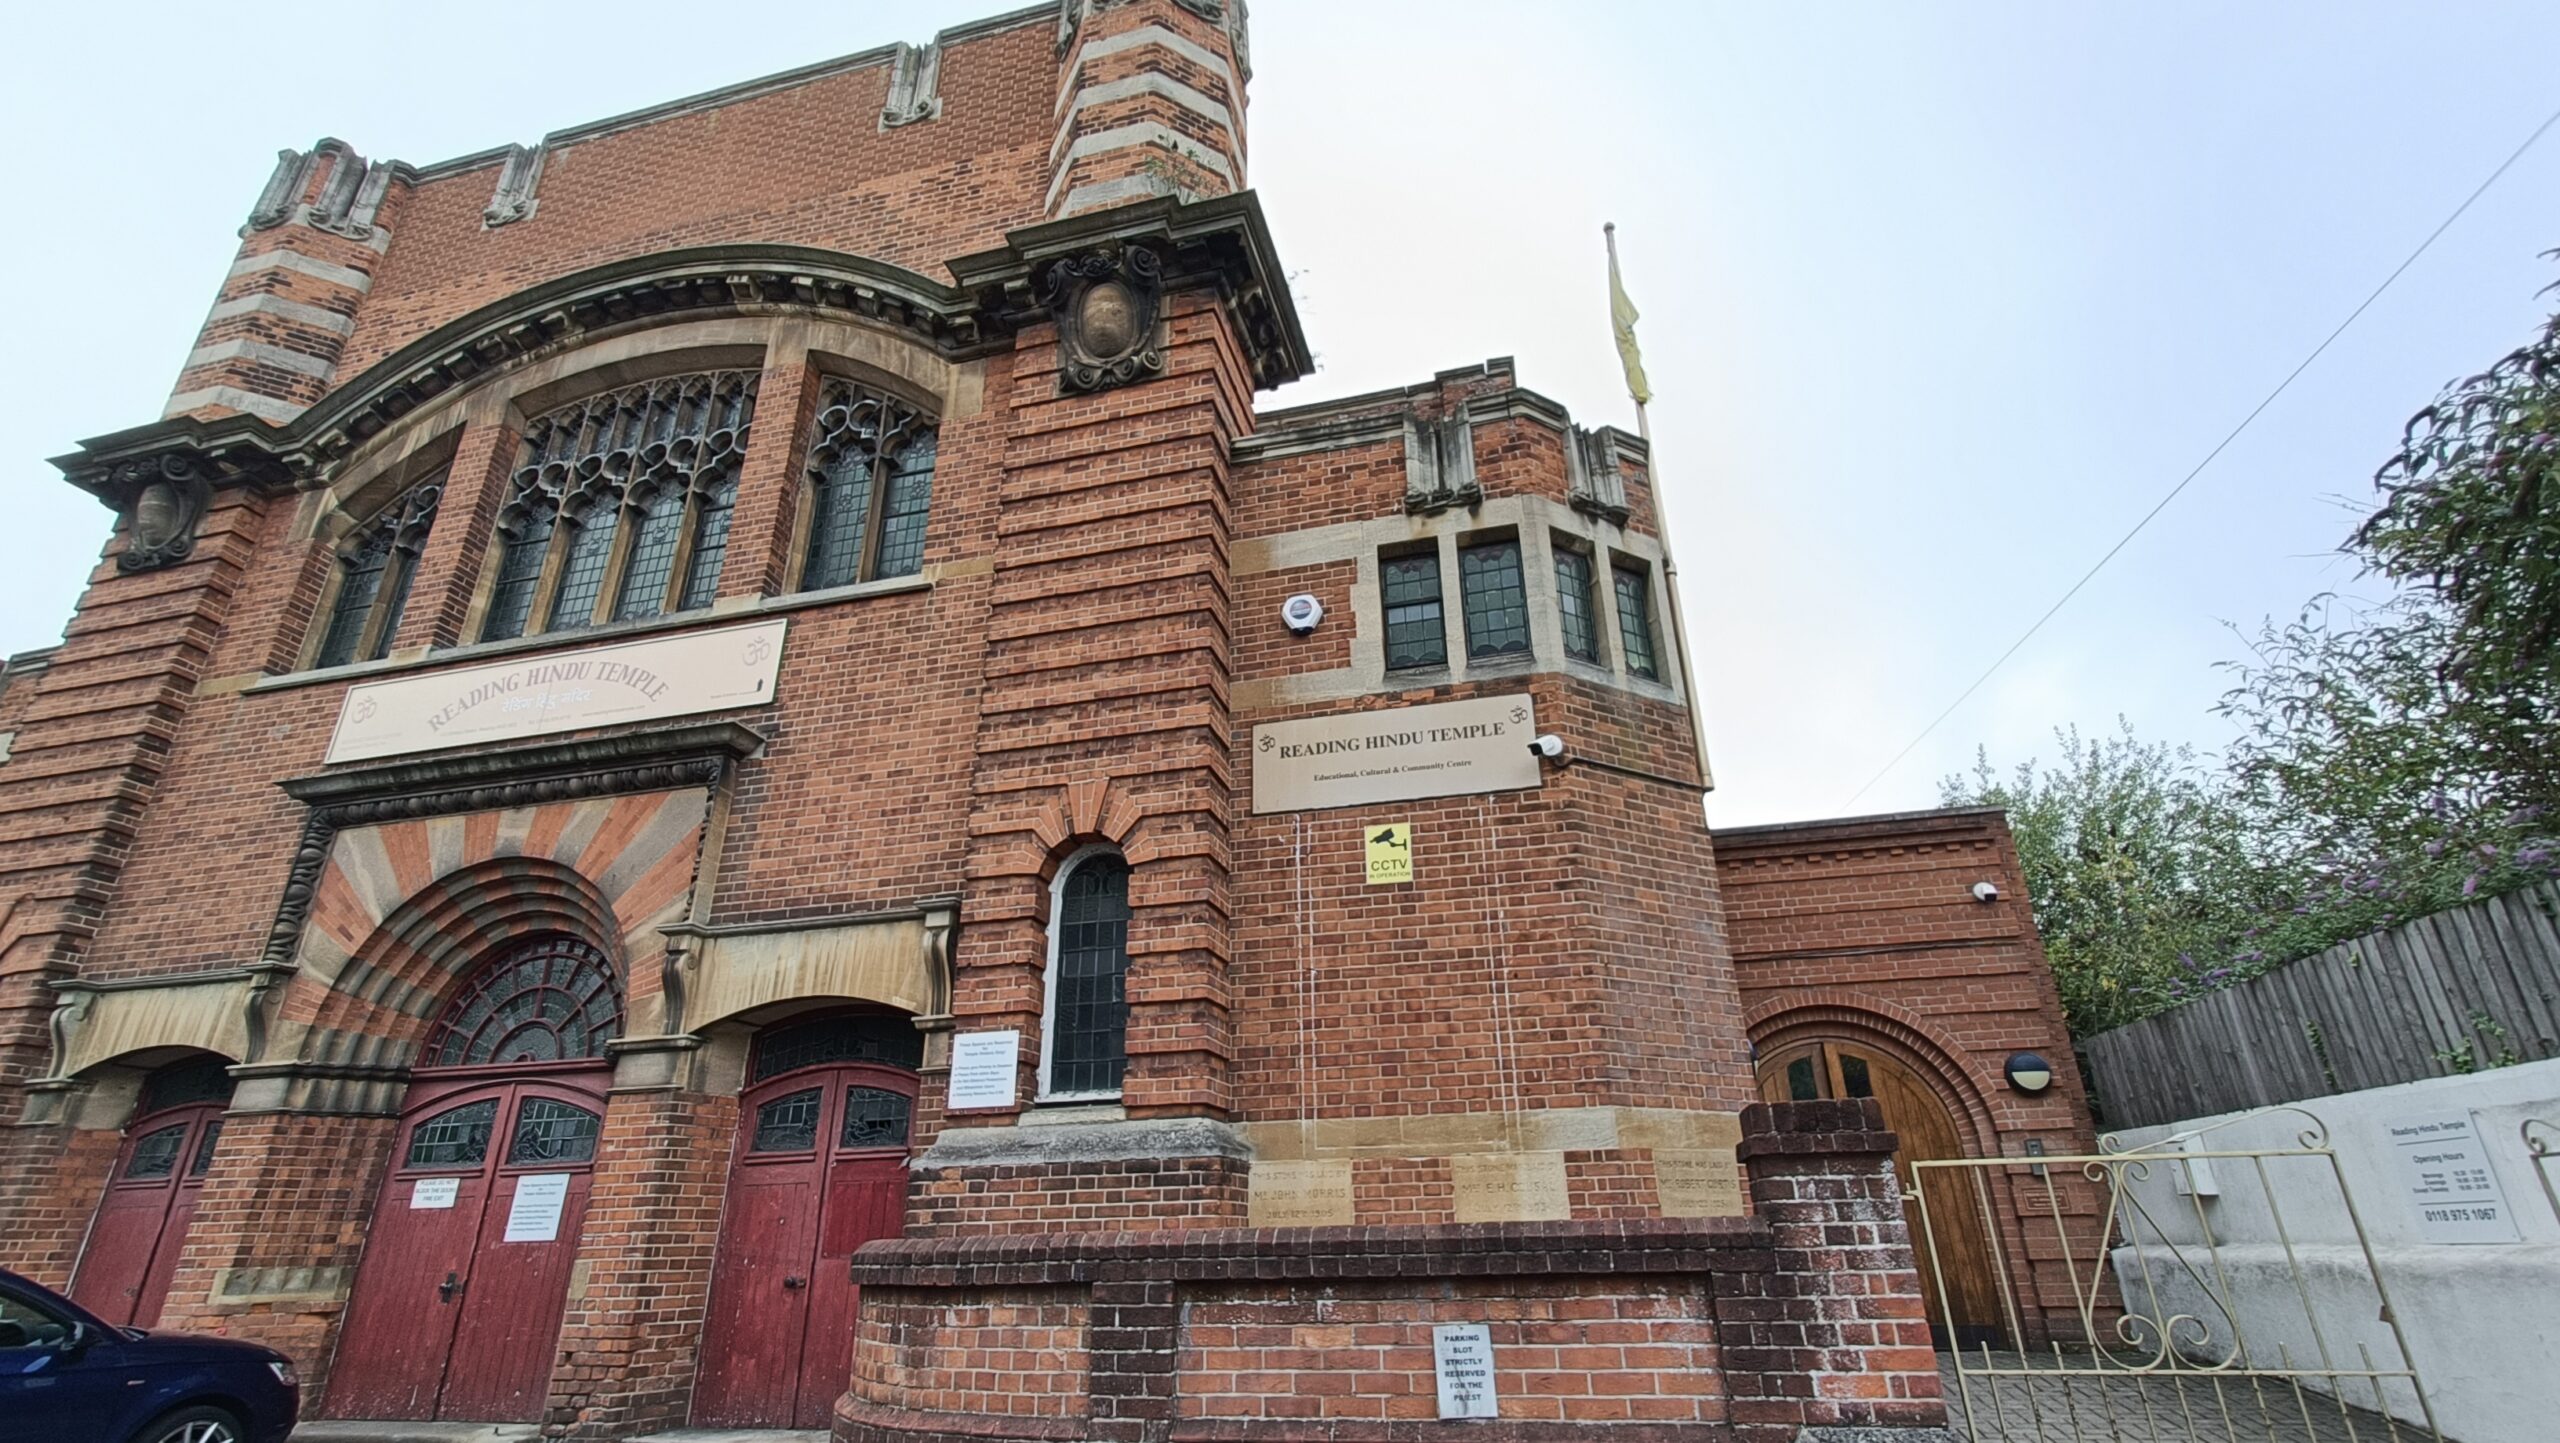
(457, 1303)
(142, 1220)
(820, 1169)
(1956, 1274)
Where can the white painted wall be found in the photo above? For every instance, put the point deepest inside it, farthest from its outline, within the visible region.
(2482, 1320)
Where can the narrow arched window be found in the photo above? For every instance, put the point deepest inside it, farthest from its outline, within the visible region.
(619, 509)
(870, 486)
(376, 565)
(548, 999)
(1085, 1046)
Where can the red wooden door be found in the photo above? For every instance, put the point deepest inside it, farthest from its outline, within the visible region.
(457, 1303)
(142, 1221)
(821, 1168)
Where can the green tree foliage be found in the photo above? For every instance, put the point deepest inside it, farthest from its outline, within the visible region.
(2390, 760)
(2136, 865)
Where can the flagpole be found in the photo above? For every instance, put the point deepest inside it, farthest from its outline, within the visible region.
(1670, 558)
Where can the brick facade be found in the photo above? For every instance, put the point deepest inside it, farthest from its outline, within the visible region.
(1516, 1089)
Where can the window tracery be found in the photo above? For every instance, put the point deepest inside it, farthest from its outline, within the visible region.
(376, 565)
(870, 482)
(553, 999)
(619, 509)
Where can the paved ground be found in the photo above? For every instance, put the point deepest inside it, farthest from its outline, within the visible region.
(2153, 1409)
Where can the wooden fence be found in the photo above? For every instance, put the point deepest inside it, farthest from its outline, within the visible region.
(2460, 991)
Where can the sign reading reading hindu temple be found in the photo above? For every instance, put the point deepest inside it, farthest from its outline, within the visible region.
(1446, 749)
(561, 691)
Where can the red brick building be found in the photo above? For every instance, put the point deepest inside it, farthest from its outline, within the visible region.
(748, 683)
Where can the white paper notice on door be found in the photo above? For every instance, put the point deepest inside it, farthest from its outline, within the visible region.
(535, 1217)
(434, 1192)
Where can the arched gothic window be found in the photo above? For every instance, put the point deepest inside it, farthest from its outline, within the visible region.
(620, 507)
(870, 485)
(375, 566)
(1084, 1048)
(549, 999)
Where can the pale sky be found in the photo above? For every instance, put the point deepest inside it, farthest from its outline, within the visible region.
(1937, 298)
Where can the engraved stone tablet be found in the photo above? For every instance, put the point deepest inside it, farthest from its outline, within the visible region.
(1698, 1184)
(1510, 1187)
(1311, 1194)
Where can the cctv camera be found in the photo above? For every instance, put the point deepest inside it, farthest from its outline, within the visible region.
(1986, 892)
(1549, 746)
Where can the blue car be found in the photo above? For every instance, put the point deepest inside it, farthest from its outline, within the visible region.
(66, 1377)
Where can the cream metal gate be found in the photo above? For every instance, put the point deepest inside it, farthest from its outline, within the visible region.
(2156, 1316)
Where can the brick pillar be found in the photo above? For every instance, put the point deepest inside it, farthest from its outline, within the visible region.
(271, 344)
(1134, 1346)
(643, 1277)
(90, 746)
(278, 1231)
(1150, 102)
(766, 523)
(1838, 1335)
(475, 486)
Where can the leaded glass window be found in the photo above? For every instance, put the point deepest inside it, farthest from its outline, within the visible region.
(155, 1154)
(1496, 599)
(1416, 636)
(875, 1117)
(1089, 1006)
(375, 568)
(204, 1079)
(548, 1130)
(787, 1047)
(204, 1150)
(789, 1123)
(870, 483)
(552, 999)
(458, 1138)
(1575, 602)
(1635, 620)
(619, 509)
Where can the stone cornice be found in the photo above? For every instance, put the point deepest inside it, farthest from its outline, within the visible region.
(519, 776)
(1220, 244)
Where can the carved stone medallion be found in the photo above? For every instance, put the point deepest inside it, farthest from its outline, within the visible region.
(165, 498)
(1105, 305)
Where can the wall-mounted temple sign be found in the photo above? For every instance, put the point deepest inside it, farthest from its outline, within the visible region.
(985, 1068)
(1446, 749)
(1390, 847)
(561, 691)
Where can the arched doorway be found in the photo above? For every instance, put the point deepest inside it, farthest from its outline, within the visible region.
(1956, 1276)
(142, 1219)
(457, 1303)
(820, 1169)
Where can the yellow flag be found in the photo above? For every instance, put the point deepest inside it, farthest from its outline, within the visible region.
(1622, 321)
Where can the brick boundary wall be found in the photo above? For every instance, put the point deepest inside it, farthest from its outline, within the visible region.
(1728, 1330)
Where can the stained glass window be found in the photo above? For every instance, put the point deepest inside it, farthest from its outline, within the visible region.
(155, 1154)
(205, 1079)
(459, 1138)
(1575, 602)
(1635, 620)
(1089, 1014)
(871, 459)
(789, 1046)
(1496, 599)
(875, 1117)
(788, 1124)
(666, 451)
(204, 1150)
(551, 999)
(1416, 636)
(375, 568)
(548, 1130)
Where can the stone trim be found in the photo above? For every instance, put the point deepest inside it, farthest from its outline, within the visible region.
(915, 86)
(265, 408)
(263, 353)
(518, 178)
(958, 1147)
(1148, 83)
(292, 260)
(1221, 245)
(1137, 135)
(266, 304)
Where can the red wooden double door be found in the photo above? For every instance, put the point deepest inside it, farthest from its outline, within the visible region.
(820, 1169)
(457, 1304)
(142, 1220)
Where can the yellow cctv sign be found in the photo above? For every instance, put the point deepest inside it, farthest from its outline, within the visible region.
(1390, 853)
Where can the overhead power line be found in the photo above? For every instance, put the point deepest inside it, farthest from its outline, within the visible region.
(2219, 447)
